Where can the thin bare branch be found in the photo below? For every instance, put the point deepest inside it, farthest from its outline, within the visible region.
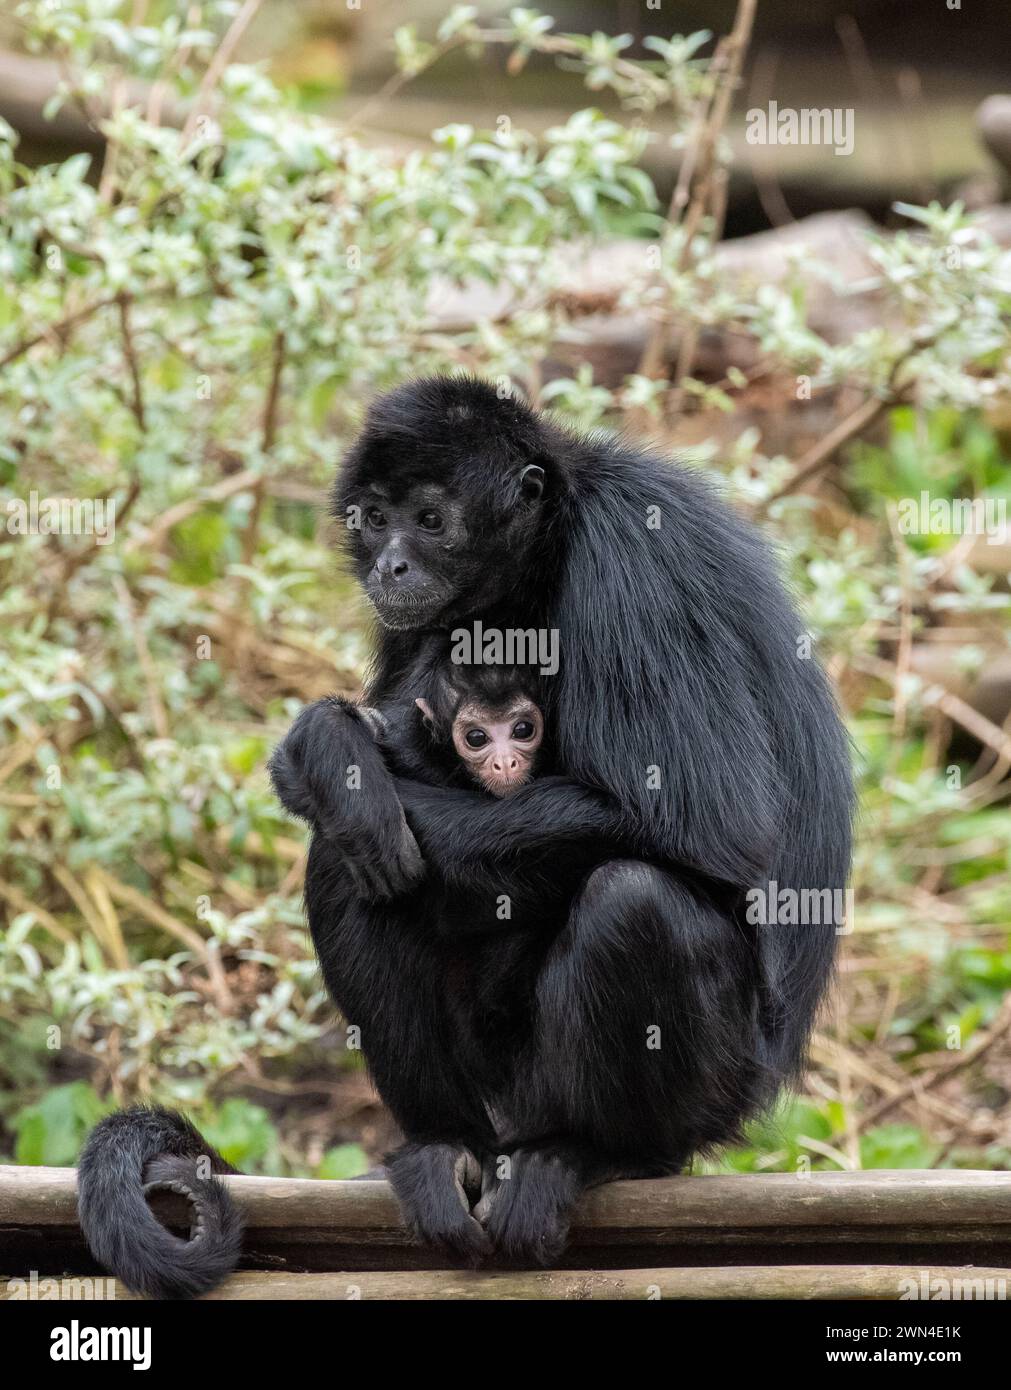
(222, 57)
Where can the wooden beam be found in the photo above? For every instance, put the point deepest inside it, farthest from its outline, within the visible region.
(643, 1211)
(743, 1281)
(309, 1226)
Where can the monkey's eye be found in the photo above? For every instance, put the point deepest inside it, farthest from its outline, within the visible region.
(476, 738)
(430, 521)
(376, 518)
(523, 730)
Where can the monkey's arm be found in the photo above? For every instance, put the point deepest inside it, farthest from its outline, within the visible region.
(462, 833)
(330, 771)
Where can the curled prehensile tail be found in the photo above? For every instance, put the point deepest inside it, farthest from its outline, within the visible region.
(131, 1154)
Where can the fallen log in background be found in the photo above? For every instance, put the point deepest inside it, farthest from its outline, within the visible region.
(777, 1235)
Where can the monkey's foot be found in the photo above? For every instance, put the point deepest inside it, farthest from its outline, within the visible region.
(436, 1185)
(526, 1214)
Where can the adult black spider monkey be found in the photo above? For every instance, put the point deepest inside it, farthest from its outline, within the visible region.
(645, 1018)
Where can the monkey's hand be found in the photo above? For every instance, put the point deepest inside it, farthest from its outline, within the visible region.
(329, 772)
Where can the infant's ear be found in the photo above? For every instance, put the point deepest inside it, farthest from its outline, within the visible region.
(426, 710)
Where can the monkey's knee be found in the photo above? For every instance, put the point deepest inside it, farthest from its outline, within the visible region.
(627, 884)
(627, 907)
(636, 907)
(639, 941)
(641, 965)
(611, 944)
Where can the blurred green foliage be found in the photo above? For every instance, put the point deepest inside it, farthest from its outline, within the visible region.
(193, 329)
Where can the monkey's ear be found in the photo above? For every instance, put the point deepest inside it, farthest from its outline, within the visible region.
(532, 482)
(426, 710)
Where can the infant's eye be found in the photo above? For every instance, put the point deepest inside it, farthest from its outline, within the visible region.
(476, 738)
(376, 518)
(430, 521)
(523, 730)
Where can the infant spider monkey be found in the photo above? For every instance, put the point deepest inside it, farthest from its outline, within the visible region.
(480, 724)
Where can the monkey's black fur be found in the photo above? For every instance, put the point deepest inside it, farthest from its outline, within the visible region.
(144, 1150)
(690, 741)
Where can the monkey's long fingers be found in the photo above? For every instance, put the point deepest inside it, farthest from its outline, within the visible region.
(367, 886)
(490, 1187)
(409, 868)
(373, 882)
(467, 1179)
(379, 877)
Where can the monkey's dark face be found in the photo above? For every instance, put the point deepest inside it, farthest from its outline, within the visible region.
(419, 553)
(498, 747)
(442, 496)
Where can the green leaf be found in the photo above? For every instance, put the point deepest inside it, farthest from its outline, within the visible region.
(897, 1146)
(243, 1133)
(345, 1161)
(52, 1130)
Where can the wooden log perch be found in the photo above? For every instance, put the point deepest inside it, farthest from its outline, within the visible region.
(842, 1235)
(808, 1282)
(950, 1199)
